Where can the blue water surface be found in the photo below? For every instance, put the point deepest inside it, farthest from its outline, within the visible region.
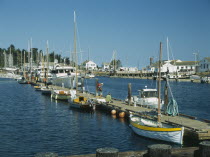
(31, 122)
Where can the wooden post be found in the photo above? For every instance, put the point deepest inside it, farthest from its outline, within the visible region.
(204, 149)
(107, 152)
(46, 154)
(166, 96)
(129, 93)
(96, 87)
(159, 150)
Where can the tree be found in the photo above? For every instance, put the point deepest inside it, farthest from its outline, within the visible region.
(116, 64)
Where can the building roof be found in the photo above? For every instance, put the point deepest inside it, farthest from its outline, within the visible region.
(185, 63)
(177, 63)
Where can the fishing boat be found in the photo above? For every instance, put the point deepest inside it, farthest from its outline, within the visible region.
(82, 102)
(65, 76)
(156, 129)
(148, 97)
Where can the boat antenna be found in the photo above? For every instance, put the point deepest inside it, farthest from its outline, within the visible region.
(159, 83)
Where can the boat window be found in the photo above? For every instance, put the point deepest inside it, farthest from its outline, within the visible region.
(149, 94)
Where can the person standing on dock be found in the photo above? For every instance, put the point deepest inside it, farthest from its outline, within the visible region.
(108, 98)
(99, 86)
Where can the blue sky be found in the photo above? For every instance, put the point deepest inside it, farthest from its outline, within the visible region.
(134, 28)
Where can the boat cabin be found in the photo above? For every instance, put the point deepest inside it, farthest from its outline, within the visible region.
(148, 93)
(67, 70)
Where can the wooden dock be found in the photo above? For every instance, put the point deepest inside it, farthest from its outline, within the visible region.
(194, 128)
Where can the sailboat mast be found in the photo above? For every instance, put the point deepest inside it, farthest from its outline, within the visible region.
(167, 48)
(159, 83)
(31, 60)
(24, 73)
(47, 62)
(75, 47)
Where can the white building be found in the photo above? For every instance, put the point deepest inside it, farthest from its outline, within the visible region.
(105, 66)
(175, 66)
(89, 65)
(204, 65)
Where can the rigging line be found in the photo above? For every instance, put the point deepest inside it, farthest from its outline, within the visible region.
(169, 88)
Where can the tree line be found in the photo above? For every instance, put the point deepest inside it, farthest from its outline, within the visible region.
(37, 56)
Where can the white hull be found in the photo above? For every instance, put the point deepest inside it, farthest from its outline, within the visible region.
(174, 136)
(151, 130)
(66, 82)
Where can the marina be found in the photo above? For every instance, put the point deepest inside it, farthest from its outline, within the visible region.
(105, 79)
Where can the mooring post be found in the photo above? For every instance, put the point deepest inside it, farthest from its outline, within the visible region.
(107, 152)
(96, 87)
(204, 149)
(129, 93)
(48, 154)
(165, 96)
(159, 150)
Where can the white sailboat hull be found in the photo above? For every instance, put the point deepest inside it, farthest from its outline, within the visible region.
(150, 129)
(174, 136)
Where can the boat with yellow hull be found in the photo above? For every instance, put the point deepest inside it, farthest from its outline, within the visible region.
(151, 129)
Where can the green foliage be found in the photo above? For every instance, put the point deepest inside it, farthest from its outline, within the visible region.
(18, 56)
(116, 63)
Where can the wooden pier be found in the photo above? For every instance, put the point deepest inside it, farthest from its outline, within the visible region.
(194, 128)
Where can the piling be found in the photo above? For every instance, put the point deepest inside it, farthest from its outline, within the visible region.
(159, 150)
(204, 149)
(107, 152)
(96, 87)
(129, 93)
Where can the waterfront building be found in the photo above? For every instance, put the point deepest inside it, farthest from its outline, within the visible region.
(204, 65)
(89, 65)
(174, 66)
(105, 66)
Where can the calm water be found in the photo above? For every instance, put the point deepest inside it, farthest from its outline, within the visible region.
(30, 122)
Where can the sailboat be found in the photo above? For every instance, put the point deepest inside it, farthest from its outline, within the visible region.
(156, 129)
(23, 80)
(80, 102)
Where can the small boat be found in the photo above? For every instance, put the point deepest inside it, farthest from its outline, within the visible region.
(151, 129)
(89, 75)
(46, 90)
(23, 81)
(156, 129)
(82, 102)
(60, 95)
(37, 88)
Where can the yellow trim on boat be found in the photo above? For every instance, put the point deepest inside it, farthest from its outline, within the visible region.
(147, 128)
